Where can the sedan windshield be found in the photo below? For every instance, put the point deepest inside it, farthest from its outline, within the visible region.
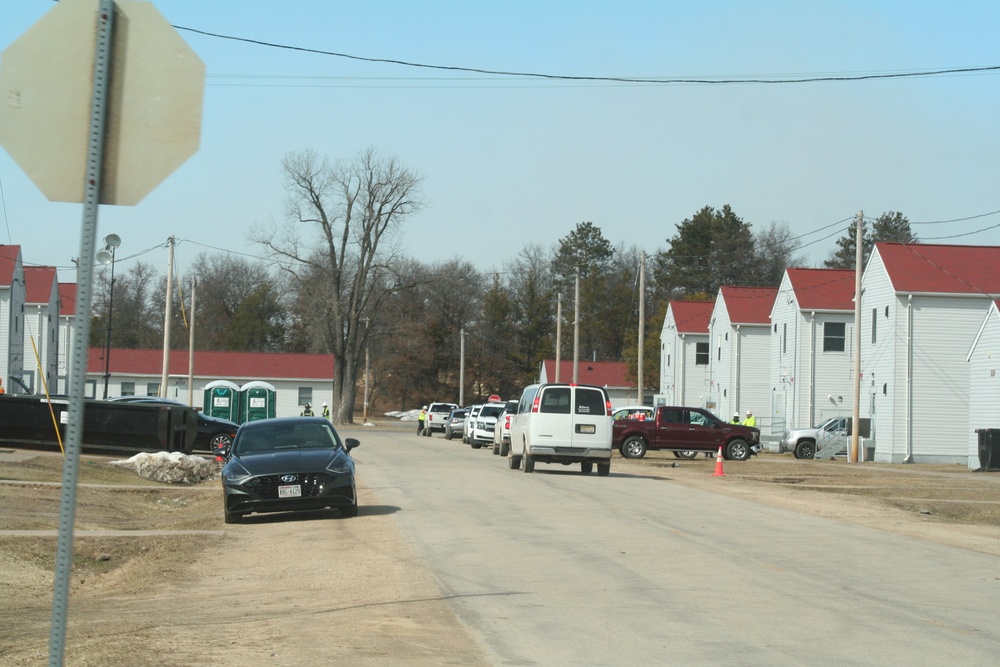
(267, 438)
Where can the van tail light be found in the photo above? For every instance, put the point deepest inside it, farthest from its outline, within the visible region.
(534, 403)
(607, 406)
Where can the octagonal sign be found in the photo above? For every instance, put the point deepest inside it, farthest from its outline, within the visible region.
(154, 105)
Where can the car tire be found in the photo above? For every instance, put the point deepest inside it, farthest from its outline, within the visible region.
(634, 447)
(603, 469)
(586, 467)
(349, 511)
(738, 450)
(476, 445)
(504, 449)
(686, 455)
(514, 462)
(447, 435)
(805, 450)
(529, 463)
(496, 449)
(219, 440)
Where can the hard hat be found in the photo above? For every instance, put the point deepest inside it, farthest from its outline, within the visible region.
(424, 408)
(324, 404)
(308, 405)
(749, 413)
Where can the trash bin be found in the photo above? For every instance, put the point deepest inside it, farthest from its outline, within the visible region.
(989, 448)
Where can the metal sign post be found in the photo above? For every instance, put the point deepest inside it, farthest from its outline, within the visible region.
(78, 370)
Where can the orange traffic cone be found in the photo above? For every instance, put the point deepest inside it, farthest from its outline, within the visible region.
(718, 465)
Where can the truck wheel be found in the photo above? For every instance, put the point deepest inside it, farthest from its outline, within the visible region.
(477, 445)
(496, 449)
(529, 463)
(514, 462)
(805, 450)
(504, 449)
(686, 455)
(603, 469)
(587, 467)
(634, 448)
(738, 450)
(447, 435)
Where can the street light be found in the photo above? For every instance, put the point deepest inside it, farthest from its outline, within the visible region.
(107, 256)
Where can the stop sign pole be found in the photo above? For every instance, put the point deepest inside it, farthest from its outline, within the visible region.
(78, 369)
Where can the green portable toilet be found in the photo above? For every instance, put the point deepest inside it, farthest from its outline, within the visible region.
(257, 401)
(222, 399)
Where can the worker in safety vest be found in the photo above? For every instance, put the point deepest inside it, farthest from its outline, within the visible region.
(307, 411)
(326, 410)
(420, 420)
(750, 419)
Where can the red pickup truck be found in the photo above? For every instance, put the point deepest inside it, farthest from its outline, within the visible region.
(686, 432)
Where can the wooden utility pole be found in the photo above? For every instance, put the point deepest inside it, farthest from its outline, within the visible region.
(194, 283)
(859, 255)
(642, 323)
(167, 318)
(576, 331)
(558, 333)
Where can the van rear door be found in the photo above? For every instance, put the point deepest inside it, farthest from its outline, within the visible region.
(592, 424)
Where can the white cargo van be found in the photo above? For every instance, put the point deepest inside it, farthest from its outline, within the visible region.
(562, 423)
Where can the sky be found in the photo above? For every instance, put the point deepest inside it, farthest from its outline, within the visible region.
(509, 161)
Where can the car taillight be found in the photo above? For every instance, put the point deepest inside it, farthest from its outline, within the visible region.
(506, 421)
(607, 406)
(534, 403)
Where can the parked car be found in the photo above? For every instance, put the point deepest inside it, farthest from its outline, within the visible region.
(213, 432)
(501, 434)
(562, 423)
(685, 431)
(484, 424)
(456, 423)
(469, 422)
(805, 442)
(437, 417)
(288, 464)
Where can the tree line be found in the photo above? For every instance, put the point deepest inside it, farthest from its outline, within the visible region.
(336, 281)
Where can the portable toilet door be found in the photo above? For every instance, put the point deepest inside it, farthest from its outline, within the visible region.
(222, 399)
(257, 401)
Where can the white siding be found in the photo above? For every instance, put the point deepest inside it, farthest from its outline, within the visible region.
(682, 380)
(984, 383)
(717, 398)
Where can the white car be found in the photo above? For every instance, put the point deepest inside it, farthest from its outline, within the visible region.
(484, 424)
(501, 434)
(562, 423)
(469, 422)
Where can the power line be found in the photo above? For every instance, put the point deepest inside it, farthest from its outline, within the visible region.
(612, 79)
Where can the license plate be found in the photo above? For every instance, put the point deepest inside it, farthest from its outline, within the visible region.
(290, 491)
(586, 428)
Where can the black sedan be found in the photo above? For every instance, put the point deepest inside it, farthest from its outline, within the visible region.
(288, 464)
(213, 432)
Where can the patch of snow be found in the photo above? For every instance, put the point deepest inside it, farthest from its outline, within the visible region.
(171, 467)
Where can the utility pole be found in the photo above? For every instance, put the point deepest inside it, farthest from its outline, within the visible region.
(167, 318)
(642, 321)
(194, 283)
(558, 334)
(576, 331)
(853, 457)
(364, 416)
(461, 367)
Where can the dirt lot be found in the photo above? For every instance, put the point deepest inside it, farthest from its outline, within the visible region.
(139, 599)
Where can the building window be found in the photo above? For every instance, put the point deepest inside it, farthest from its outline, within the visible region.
(834, 337)
(668, 361)
(701, 354)
(128, 388)
(874, 321)
(784, 338)
(305, 395)
(153, 389)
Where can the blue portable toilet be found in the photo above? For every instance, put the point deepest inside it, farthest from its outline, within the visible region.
(222, 399)
(257, 401)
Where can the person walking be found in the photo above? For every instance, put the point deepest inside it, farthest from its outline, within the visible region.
(750, 419)
(307, 411)
(420, 420)
(326, 410)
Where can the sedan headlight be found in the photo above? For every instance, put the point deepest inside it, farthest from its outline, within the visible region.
(235, 473)
(339, 466)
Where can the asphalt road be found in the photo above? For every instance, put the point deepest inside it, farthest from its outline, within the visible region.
(558, 568)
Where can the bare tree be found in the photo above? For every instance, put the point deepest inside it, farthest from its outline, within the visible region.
(355, 206)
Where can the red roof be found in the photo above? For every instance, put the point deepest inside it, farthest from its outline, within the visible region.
(749, 305)
(601, 373)
(692, 316)
(218, 365)
(38, 283)
(8, 260)
(67, 299)
(823, 289)
(944, 269)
